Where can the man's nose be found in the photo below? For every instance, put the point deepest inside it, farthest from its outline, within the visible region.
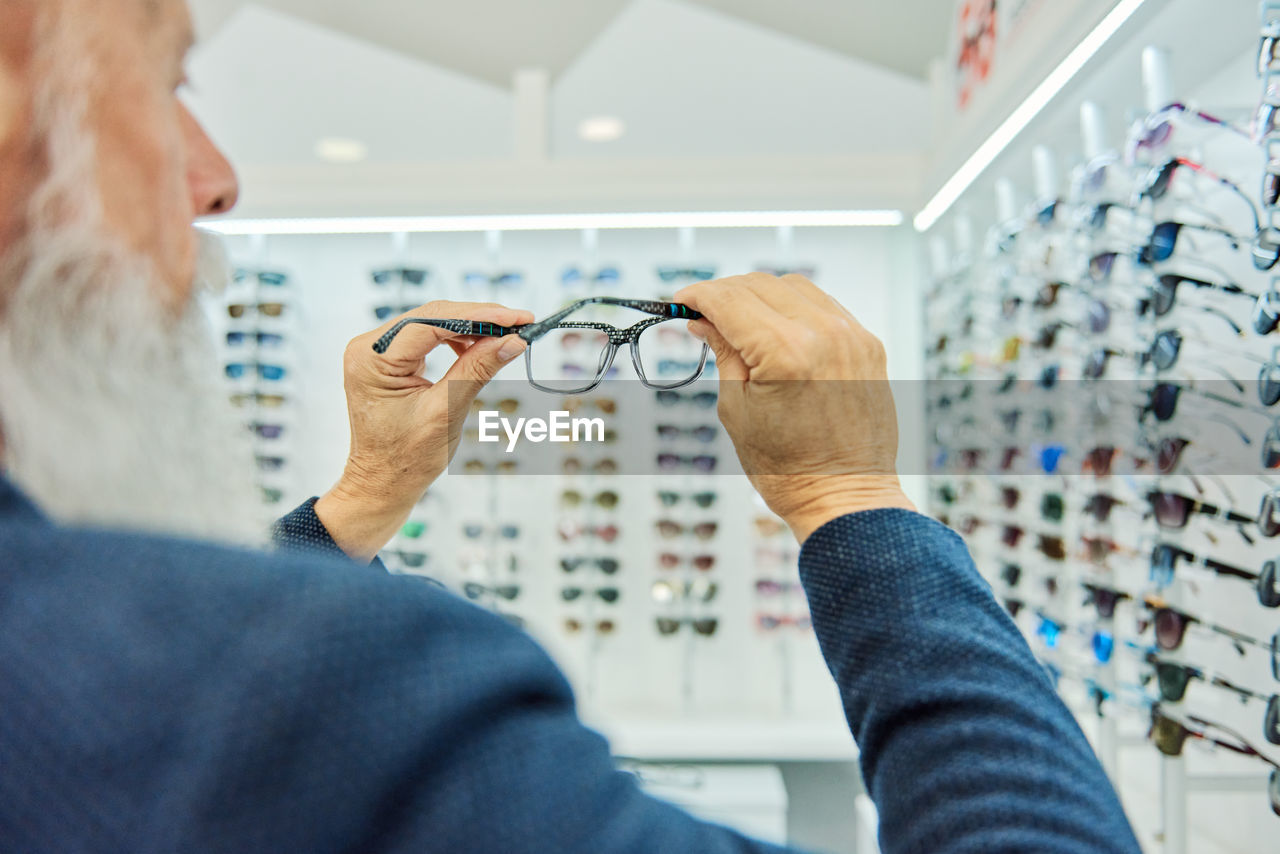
(213, 184)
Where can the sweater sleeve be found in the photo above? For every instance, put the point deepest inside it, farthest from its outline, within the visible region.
(965, 746)
(302, 532)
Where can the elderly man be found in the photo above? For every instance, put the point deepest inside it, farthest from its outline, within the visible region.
(161, 692)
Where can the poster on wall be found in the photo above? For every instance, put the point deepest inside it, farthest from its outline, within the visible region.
(984, 29)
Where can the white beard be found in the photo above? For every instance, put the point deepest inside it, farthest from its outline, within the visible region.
(114, 413)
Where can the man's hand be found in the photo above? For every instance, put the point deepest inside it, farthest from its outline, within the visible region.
(405, 429)
(805, 396)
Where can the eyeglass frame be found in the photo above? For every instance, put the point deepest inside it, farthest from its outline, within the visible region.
(531, 332)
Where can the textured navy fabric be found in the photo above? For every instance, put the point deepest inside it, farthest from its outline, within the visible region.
(302, 532)
(965, 746)
(159, 695)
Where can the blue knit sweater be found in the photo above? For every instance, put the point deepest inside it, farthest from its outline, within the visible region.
(159, 695)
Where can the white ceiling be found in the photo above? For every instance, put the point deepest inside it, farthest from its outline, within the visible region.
(490, 39)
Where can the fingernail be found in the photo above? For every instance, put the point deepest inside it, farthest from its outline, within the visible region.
(510, 350)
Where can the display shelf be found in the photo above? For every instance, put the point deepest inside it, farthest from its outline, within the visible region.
(714, 740)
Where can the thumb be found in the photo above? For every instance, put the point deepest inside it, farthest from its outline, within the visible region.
(480, 364)
(729, 363)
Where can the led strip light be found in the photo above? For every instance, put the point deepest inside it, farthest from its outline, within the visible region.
(557, 222)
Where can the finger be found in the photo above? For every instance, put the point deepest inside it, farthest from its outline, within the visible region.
(417, 340)
(749, 324)
(480, 364)
(729, 363)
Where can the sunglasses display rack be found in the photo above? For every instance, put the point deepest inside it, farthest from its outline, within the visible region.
(643, 563)
(1102, 426)
(253, 323)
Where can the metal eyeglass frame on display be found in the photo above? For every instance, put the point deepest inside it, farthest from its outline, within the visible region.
(531, 332)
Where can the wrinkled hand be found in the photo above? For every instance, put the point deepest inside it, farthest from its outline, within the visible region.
(405, 429)
(805, 396)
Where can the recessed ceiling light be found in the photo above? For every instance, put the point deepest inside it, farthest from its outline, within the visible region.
(340, 150)
(601, 129)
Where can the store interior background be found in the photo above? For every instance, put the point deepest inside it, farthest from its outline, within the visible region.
(457, 110)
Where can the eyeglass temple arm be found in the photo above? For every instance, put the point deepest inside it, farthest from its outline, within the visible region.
(474, 328)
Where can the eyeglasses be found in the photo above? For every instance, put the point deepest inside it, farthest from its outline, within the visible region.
(1164, 294)
(270, 278)
(403, 275)
(608, 595)
(1011, 573)
(1162, 401)
(607, 499)
(268, 463)
(272, 495)
(507, 406)
(704, 433)
(700, 463)
(482, 467)
(1158, 129)
(705, 626)
(606, 466)
(1170, 736)
(697, 590)
(1099, 506)
(270, 401)
(769, 587)
(269, 432)
(669, 530)
(607, 565)
(670, 560)
(1054, 548)
(703, 500)
(545, 376)
(266, 309)
(1160, 179)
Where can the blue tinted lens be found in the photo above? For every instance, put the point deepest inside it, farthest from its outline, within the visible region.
(236, 339)
(267, 277)
(1104, 644)
(273, 373)
(384, 312)
(236, 371)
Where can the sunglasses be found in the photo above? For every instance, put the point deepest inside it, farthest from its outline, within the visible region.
(1158, 129)
(774, 622)
(475, 591)
(266, 309)
(1164, 293)
(1170, 737)
(1164, 240)
(1011, 574)
(606, 500)
(262, 339)
(1164, 563)
(506, 532)
(269, 432)
(570, 531)
(1171, 629)
(670, 560)
(270, 373)
(1099, 506)
(573, 626)
(403, 275)
(607, 565)
(272, 495)
(507, 279)
(386, 312)
(669, 530)
(481, 467)
(1104, 599)
(608, 595)
(705, 626)
(769, 587)
(699, 463)
(696, 590)
(1173, 511)
(693, 274)
(704, 433)
(573, 465)
(270, 278)
(410, 559)
(701, 399)
(574, 276)
(703, 500)
(413, 530)
(270, 401)
(1160, 179)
